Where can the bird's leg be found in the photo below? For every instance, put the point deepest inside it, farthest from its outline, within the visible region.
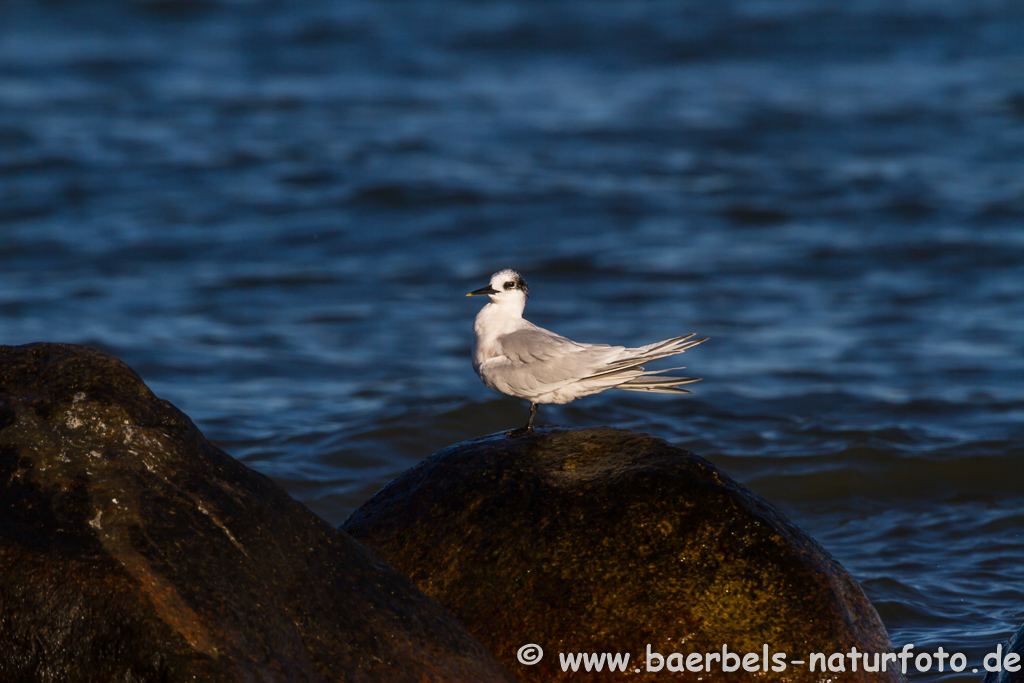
(528, 428)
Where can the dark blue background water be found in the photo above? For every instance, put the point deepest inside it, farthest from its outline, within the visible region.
(272, 210)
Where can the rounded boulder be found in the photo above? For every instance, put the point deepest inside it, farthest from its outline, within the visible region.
(604, 541)
(132, 549)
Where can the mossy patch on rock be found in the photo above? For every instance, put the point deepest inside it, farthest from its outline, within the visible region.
(603, 540)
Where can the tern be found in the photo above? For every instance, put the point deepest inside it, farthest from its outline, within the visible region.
(515, 357)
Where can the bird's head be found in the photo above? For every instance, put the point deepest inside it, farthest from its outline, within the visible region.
(507, 287)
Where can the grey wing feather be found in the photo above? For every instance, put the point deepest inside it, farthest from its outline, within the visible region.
(553, 360)
(536, 344)
(652, 380)
(538, 361)
(651, 352)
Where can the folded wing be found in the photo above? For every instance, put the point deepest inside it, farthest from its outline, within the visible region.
(542, 366)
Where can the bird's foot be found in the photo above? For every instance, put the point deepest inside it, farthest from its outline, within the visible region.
(528, 429)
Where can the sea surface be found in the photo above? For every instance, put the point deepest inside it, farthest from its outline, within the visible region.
(273, 211)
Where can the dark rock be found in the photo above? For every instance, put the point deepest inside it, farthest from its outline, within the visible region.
(1015, 645)
(131, 549)
(603, 540)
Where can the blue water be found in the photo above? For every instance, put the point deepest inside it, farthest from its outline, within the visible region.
(273, 211)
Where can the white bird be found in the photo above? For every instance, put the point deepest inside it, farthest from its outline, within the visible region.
(515, 357)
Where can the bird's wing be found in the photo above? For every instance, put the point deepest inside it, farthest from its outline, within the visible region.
(534, 361)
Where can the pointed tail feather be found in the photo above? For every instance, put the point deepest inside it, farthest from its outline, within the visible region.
(653, 352)
(657, 346)
(658, 384)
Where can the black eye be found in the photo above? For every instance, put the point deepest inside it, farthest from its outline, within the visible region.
(509, 285)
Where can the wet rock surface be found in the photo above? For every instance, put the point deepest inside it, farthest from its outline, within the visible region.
(1013, 646)
(132, 549)
(604, 540)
